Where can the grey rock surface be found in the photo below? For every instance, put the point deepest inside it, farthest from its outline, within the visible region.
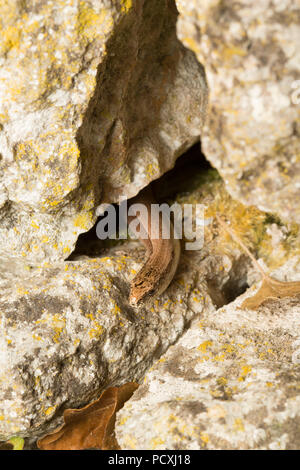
(252, 60)
(68, 331)
(97, 98)
(231, 382)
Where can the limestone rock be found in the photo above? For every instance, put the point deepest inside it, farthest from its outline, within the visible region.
(252, 60)
(231, 382)
(97, 98)
(68, 331)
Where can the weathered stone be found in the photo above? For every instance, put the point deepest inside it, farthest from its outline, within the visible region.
(231, 382)
(252, 60)
(68, 331)
(97, 98)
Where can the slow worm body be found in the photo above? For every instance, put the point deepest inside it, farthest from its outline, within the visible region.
(162, 254)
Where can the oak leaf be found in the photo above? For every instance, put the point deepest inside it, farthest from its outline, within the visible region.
(91, 426)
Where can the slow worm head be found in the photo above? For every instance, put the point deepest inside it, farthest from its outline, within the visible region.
(162, 256)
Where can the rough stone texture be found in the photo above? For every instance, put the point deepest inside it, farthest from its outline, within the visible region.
(68, 332)
(252, 60)
(97, 98)
(231, 382)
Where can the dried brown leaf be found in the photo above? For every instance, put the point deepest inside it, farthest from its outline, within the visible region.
(5, 445)
(91, 426)
(271, 289)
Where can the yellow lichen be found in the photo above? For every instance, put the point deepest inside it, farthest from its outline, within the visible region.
(96, 331)
(192, 44)
(126, 5)
(50, 410)
(204, 437)
(203, 346)
(91, 24)
(83, 220)
(245, 370)
(238, 425)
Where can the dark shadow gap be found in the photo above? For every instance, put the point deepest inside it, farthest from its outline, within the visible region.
(180, 179)
(190, 169)
(235, 286)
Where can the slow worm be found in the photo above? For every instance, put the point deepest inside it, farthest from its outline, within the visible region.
(162, 255)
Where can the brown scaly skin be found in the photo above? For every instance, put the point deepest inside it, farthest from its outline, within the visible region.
(162, 261)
